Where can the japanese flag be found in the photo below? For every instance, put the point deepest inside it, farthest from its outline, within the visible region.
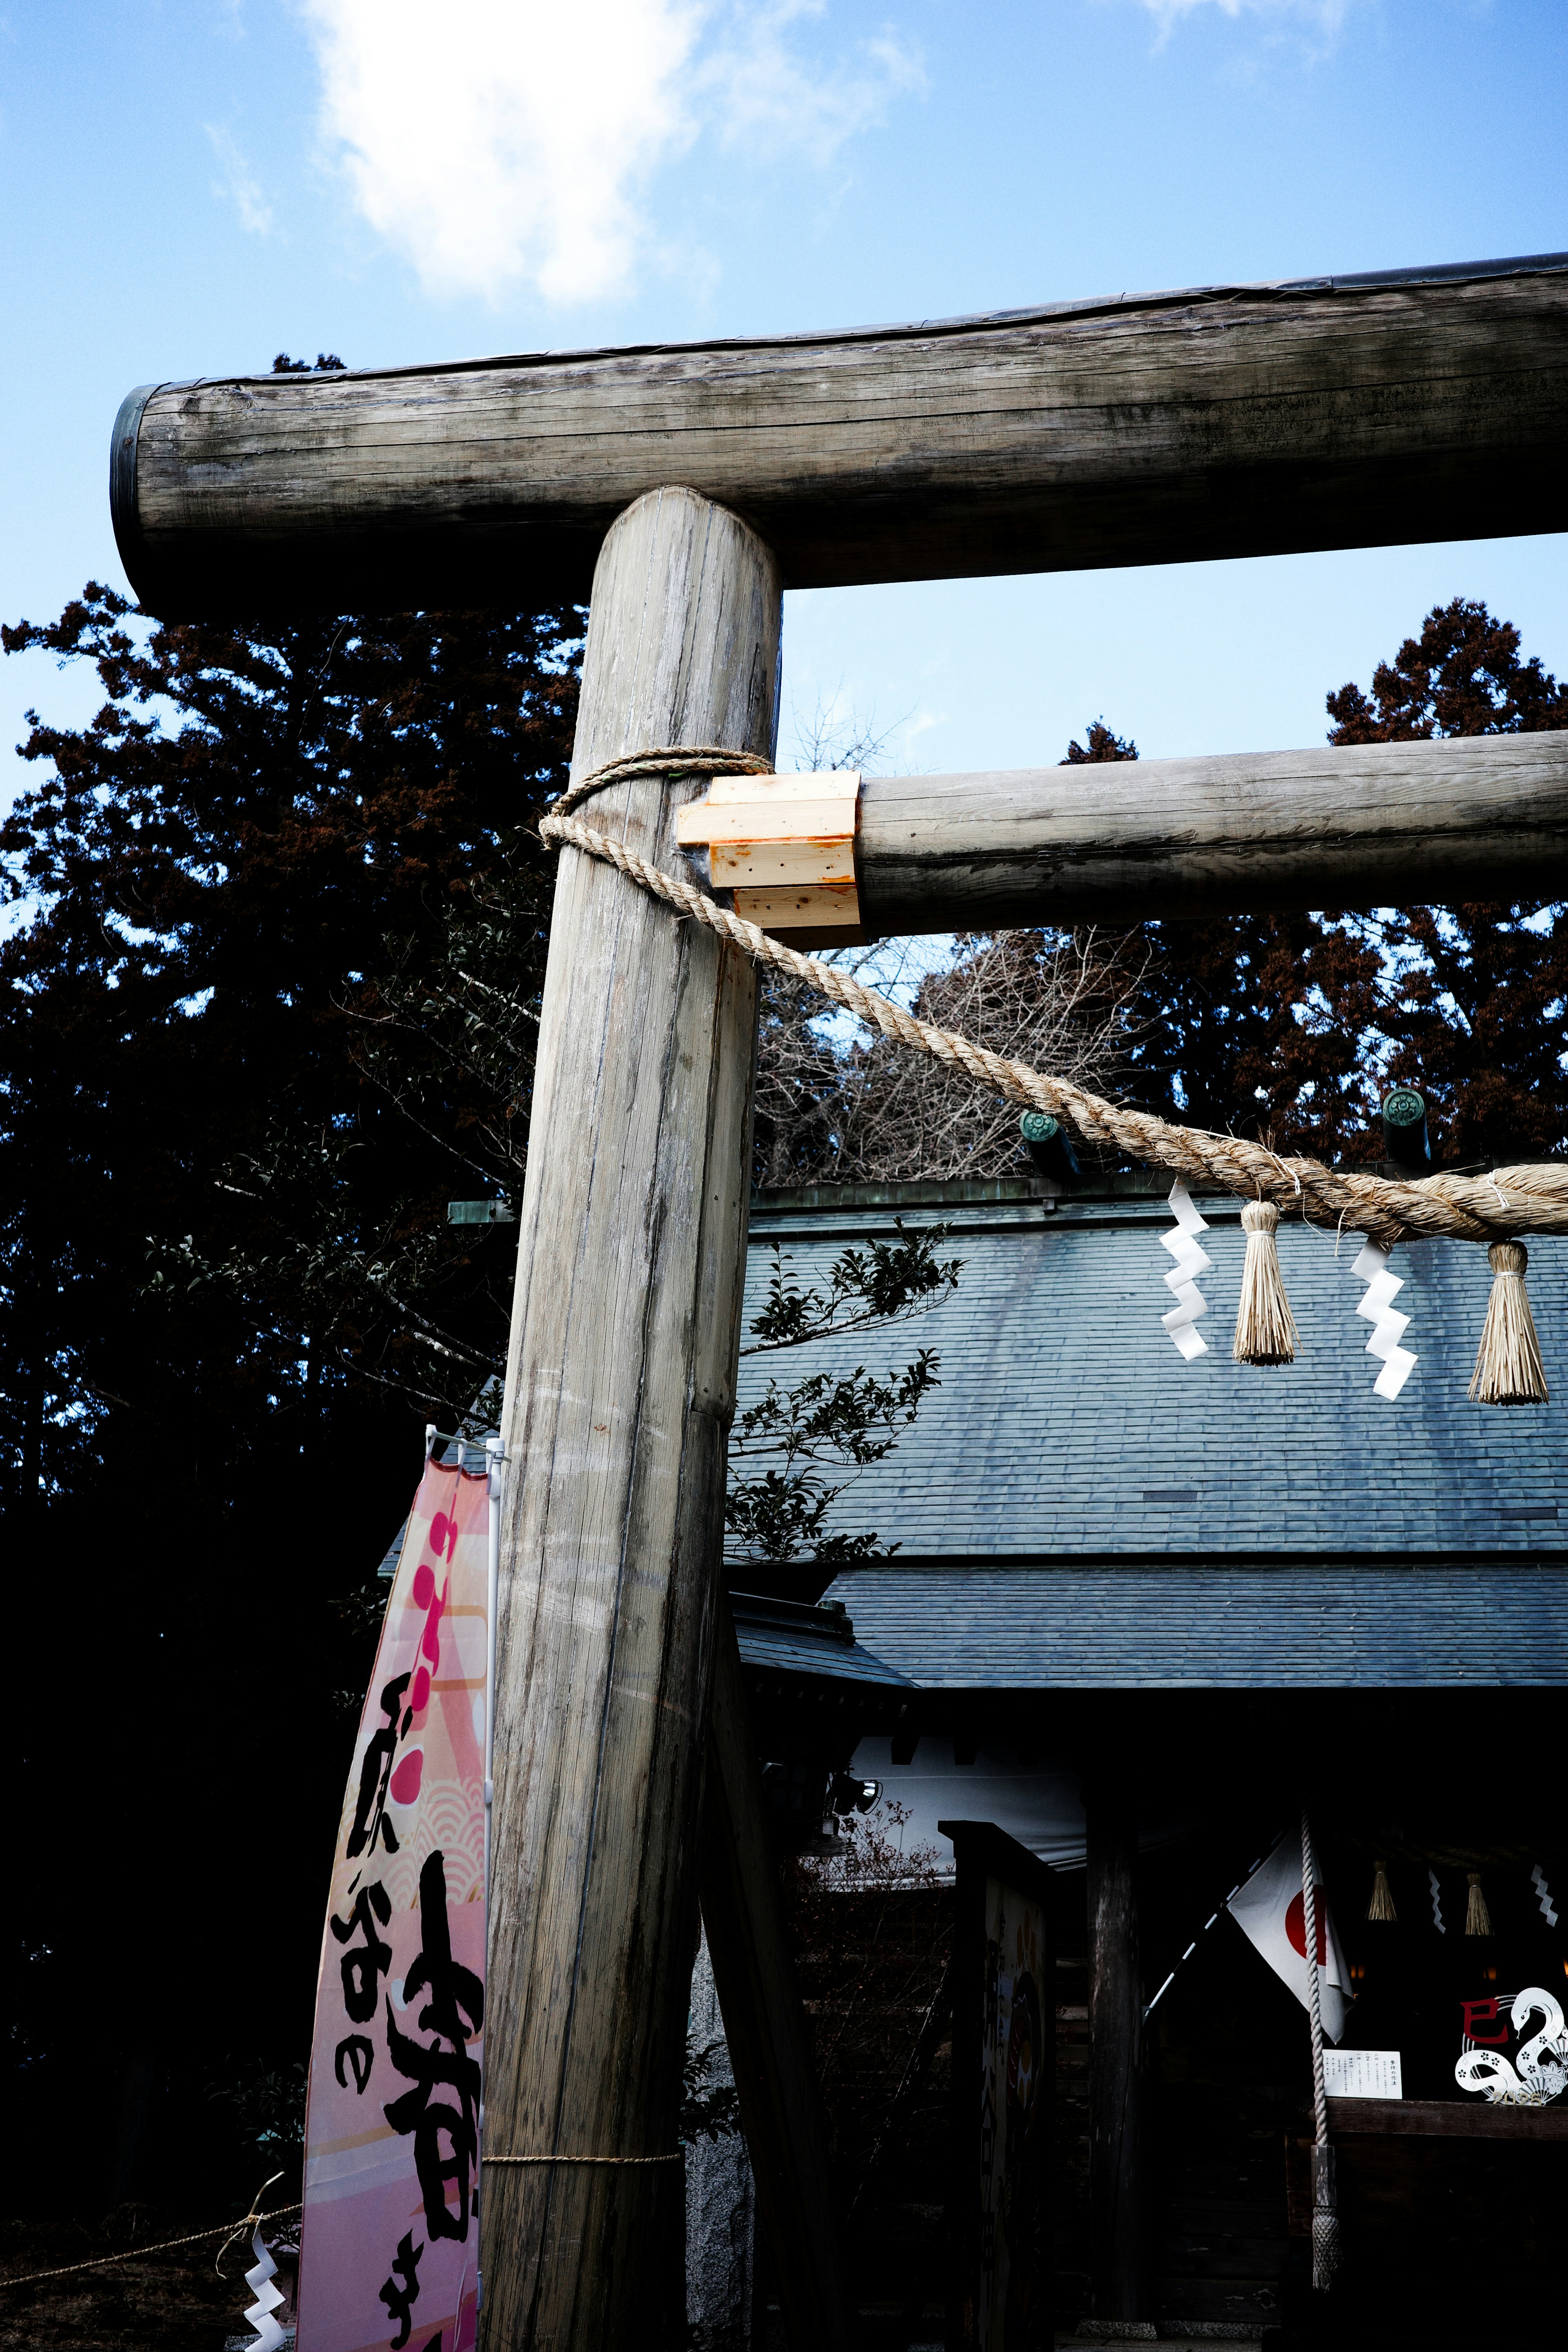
(1270, 1909)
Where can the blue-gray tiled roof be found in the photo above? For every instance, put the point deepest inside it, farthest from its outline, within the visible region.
(787, 1637)
(1068, 1426)
(1227, 1628)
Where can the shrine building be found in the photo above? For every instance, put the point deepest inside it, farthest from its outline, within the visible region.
(1164, 1605)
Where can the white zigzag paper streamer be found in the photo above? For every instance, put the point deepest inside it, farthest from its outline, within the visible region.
(1543, 1896)
(1436, 1902)
(1388, 1328)
(269, 2335)
(1191, 1260)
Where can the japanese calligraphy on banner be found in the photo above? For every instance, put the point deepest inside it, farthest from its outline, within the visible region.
(390, 2251)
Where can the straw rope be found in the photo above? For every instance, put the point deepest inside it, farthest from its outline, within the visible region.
(1455, 1208)
(678, 2158)
(226, 2229)
(702, 759)
(1325, 2219)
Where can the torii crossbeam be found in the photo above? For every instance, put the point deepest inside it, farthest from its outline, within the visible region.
(690, 484)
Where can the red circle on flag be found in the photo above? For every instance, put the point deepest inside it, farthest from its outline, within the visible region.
(423, 1585)
(406, 1779)
(1296, 1924)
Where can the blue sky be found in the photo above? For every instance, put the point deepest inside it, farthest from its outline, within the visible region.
(191, 185)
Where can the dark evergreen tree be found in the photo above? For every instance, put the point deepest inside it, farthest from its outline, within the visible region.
(1473, 997)
(201, 1187)
(1292, 1026)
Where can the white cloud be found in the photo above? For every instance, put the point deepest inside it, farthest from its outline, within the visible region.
(1326, 15)
(494, 141)
(756, 83)
(239, 184)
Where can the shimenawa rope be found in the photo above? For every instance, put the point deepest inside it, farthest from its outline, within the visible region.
(1457, 1208)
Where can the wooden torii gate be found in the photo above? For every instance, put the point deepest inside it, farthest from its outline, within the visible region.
(685, 487)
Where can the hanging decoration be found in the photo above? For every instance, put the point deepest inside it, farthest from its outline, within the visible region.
(1477, 1919)
(1192, 1260)
(1326, 2251)
(1508, 1369)
(269, 2335)
(1264, 1328)
(1544, 1894)
(1538, 2070)
(1388, 1327)
(1436, 1902)
(389, 2250)
(1381, 1904)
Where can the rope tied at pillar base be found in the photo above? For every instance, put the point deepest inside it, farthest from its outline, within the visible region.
(1491, 1209)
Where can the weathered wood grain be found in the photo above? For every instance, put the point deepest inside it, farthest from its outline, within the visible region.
(1442, 2119)
(1119, 2253)
(619, 1395)
(764, 2025)
(1229, 421)
(985, 1855)
(1374, 825)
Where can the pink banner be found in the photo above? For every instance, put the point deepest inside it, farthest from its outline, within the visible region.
(390, 2252)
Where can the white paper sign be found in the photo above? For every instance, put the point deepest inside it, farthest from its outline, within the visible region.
(1363, 2074)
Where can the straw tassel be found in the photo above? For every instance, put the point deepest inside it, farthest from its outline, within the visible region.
(1477, 1919)
(1508, 1369)
(1381, 1904)
(1264, 1328)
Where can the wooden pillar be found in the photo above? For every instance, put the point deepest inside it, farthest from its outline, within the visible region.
(620, 1389)
(764, 2025)
(1116, 2176)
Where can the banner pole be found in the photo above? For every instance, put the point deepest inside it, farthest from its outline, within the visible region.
(495, 1456)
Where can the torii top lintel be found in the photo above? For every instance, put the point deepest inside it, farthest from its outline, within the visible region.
(1227, 420)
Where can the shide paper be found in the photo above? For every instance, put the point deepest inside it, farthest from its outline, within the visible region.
(1191, 1260)
(1388, 1327)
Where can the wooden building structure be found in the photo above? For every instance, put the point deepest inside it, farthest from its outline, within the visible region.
(1146, 1606)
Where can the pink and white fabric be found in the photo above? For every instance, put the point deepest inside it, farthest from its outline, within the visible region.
(389, 2255)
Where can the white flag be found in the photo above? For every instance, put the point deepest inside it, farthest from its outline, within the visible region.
(1270, 1911)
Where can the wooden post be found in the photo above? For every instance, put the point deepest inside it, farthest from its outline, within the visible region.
(764, 2025)
(619, 1394)
(1117, 2218)
(1001, 2222)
